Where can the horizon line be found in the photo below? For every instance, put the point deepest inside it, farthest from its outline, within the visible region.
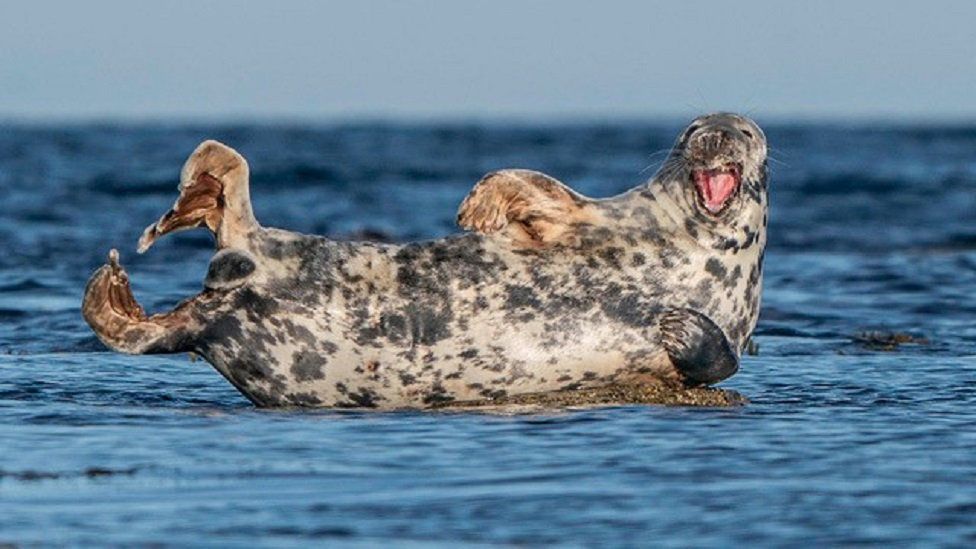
(472, 117)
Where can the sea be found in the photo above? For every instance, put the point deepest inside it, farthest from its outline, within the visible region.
(861, 425)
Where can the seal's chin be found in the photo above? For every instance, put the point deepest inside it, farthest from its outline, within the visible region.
(716, 187)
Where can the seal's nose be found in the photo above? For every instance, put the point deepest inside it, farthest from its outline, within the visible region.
(713, 136)
(716, 136)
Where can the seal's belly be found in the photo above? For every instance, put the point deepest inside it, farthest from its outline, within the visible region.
(391, 358)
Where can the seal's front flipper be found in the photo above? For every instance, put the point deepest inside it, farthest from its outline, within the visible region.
(697, 347)
(532, 209)
(120, 322)
(213, 194)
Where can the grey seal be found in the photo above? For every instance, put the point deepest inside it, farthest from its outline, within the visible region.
(547, 291)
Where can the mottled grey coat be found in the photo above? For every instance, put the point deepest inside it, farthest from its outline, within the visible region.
(551, 291)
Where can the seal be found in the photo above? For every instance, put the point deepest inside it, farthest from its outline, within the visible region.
(548, 291)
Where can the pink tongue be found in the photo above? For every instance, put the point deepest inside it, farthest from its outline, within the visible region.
(716, 189)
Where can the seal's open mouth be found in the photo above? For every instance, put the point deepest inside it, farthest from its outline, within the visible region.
(717, 186)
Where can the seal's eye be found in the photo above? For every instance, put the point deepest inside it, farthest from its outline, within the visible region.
(691, 129)
(748, 133)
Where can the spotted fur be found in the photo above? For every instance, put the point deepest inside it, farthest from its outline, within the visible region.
(552, 291)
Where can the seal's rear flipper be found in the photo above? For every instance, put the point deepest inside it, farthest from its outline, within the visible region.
(697, 347)
(120, 322)
(534, 209)
(213, 194)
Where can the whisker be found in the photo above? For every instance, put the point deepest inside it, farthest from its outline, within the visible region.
(661, 151)
(670, 169)
(655, 162)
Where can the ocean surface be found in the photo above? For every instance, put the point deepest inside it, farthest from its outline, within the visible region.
(861, 427)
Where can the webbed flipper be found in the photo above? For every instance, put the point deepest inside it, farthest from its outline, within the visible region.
(697, 347)
(531, 208)
(121, 323)
(213, 194)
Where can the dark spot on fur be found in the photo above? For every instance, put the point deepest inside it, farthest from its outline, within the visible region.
(734, 277)
(394, 327)
(715, 268)
(303, 399)
(626, 307)
(226, 327)
(611, 256)
(427, 325)
(493, 394)
(541, 281)
(299, 333)
(256, 306)
(750, 237)
(664, 256)
(456, 374)
(437, 395)
(521, 296)
(724, 243)
(361, 398)
(307, 366)
(407, 378)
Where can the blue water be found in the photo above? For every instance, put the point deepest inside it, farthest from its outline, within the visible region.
(872, 229)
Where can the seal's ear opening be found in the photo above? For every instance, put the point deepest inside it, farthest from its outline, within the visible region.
(213, 194)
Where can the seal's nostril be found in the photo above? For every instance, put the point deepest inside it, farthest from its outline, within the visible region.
(713, 138)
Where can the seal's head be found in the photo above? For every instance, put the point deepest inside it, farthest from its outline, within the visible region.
(717, 166)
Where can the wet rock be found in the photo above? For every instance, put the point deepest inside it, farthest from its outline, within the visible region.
(663, 394)
(878, 340)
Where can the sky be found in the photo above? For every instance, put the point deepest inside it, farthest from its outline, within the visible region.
(500, 58)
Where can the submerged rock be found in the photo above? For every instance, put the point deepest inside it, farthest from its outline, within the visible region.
(877, 340)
